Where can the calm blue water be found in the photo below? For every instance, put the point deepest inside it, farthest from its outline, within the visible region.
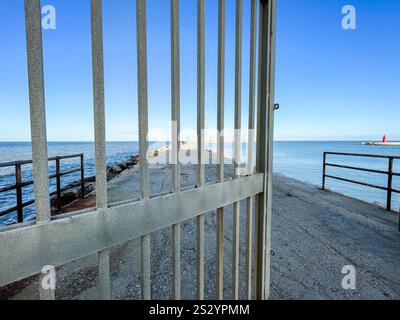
(299, 160)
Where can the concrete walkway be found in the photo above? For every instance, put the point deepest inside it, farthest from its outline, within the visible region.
(315, 234)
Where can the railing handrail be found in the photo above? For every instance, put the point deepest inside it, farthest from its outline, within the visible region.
(19, 184)
(363, 155)
(25, 162)
(390, 173)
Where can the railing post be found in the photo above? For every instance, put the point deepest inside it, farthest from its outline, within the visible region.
(58, 178)
(390, 185)
(324, 173)
(82, 176)
(18, 181)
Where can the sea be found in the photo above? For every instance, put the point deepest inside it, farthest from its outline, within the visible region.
(301, 160)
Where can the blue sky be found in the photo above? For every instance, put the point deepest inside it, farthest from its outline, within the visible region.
(332, 84)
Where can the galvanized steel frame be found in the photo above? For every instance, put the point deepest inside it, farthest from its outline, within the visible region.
(72, 237)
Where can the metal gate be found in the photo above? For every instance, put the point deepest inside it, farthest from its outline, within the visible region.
(26, 248)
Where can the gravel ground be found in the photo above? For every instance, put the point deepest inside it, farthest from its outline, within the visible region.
(314, 235)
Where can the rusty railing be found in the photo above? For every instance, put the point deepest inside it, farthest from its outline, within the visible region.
(20, 184)
(390, 174)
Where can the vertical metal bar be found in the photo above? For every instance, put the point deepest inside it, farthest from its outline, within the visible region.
(176, 179)
(18, 181)
(235, 251)
(220, 254)
(237, 148)
(99, 105)
(200, 139)
(390, 185)
(270, 140)
(252, 86)
(238, 87)
(142, 95)
(200, 91)
(37, 109)
(261, 154)
(38, 119)
(265, 145)
(58, 178)
(221, 90)
(249, 247)
(175, 93)
(200, 257)
(176, 262)
(324, 173)
(104, 275)
(143, 131)
(220, 146)
(100, 134)
(250, 150)
(146, 267)
(82, 176)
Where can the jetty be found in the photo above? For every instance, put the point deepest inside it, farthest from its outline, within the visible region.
(314, 235)
(383, 143)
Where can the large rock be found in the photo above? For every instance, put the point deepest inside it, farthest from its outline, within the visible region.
(135, 159)
(122, 165)
(117, 169)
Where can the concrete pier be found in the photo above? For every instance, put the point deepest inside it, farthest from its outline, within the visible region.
(382, 144)
(315, 234)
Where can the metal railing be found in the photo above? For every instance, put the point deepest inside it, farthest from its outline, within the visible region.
(390, 174)
(20, 184)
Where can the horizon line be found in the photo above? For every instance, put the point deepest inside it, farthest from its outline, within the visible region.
(153, 141)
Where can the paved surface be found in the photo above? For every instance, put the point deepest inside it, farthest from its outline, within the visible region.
(315, 234)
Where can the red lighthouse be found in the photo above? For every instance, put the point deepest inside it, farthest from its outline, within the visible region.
(384, 139)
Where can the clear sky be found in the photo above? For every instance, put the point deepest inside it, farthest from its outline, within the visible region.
(332, 84)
